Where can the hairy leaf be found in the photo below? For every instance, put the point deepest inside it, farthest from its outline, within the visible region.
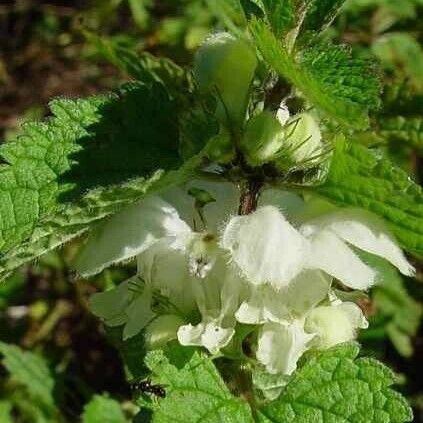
(143, 67)
(325, 88)
(103, 409)
(359, 177)
(321, 13)
(337, 387)
(86, 162)
(351, 78)
(31, 371)
(195, 391)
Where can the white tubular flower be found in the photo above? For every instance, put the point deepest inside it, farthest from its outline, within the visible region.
(265, 304)
(364, 231)
(217, 300)
(138, 227)
(162, 330)
(280, 346)
(265, 247)
(335, 323)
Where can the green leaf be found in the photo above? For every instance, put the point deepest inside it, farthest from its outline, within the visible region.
(31, 371)
(321, 13)
(347, 77)
(143, 67)
(401, 53)
(195, 391)
(5, 411)
(404, 129)
(74, 219)
(91, 158)
(140, 13)
(281, 14)
(322, 84)
(132, 351)
(103, 409)
(394, 306)
(335, 386)
(359, 177)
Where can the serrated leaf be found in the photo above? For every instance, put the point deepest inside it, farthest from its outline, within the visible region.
(143, 67)
(31, 371)
(351, 78)
(359, 177)
(64, 174)
(74, 219)
(103, 409)
(195, 392)
(307, 79)
(337, 387)
(321, 13)
(281, 14)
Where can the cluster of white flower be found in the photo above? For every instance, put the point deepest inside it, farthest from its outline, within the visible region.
(272, 269)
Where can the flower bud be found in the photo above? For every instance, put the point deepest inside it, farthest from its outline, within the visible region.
(335, 324)
(302, 141)
(227, 64)
(220, 149)
(262, 139)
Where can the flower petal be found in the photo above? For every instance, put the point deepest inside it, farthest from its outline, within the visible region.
(208, 334)
(280, 346)
(365, 231)
(226, 195)
(335, 324)
(265, 246)
(332, 255)
(166, 270)
(307, 290)
(129, 233)
(264, 304)
(162, 330)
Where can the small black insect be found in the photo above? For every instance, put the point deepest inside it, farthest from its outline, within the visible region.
(147, 387)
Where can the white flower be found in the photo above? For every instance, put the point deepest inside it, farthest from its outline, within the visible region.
(281, 345)
(266, 248)
(200, 275)
(265, 304)
(217, 298)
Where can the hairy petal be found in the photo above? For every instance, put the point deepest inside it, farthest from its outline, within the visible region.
(131, 232)
(331, 254)
(265, 247)
(365, 231)
(281, 345)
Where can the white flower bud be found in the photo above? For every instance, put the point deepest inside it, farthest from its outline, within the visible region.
(335, 324)
(227, 64)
